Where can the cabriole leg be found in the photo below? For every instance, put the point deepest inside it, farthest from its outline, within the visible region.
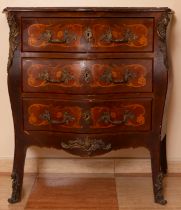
(163, 157)
(17, 174)
(157, 175)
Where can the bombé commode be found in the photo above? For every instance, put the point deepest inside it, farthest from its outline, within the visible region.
(88, 81)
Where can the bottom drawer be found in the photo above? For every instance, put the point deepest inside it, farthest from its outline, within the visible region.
(87, 117)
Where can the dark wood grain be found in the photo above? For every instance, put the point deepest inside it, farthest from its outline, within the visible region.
(60, 60)
(94, 9)
(89, 117)
(87, 76)
(42, 34)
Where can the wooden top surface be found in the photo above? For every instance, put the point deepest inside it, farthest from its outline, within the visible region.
(87, 9)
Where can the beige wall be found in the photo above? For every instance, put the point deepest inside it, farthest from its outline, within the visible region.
(174, 117)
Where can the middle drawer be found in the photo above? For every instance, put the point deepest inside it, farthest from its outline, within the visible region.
(87, 76)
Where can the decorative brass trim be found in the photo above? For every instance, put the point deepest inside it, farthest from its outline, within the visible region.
(162, 34)
(15, 196)
(128, 36)
(86, 117)
(68, 37)
(162, 26)
(86, 145)
(67, 117)
(13, 34)
(159, 198)
(106, 118)
(65, 77)
(86, 76)
(88, 34)
(108, 78)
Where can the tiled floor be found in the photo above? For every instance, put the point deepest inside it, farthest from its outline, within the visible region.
(133, 193)
(73, 193)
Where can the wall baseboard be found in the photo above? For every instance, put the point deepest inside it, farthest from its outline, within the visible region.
(111, 166)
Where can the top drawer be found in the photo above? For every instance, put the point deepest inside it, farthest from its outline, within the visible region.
(83, 34)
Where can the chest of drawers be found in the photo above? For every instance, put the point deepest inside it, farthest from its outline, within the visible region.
(88, 80)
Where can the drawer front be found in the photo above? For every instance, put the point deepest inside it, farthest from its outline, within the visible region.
(84, 117)
(93, 34)
(87, 76)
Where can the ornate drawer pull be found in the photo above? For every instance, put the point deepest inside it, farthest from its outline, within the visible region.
(107, 77)
(106, 118)
(68, 37)
(66, 77)
(66, 118)
(127, 37)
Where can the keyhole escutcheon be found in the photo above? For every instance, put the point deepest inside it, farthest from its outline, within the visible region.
(87, 76)
(88, 34)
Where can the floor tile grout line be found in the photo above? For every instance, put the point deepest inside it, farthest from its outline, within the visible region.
(32, 187)
(117, 193)
(116, 184)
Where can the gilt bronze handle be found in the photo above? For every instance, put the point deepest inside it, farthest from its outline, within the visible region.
(86, 145)
(67, 117)
(65, 78)
(107, 77)
(67, 38)
(106, 118)
(128, 36)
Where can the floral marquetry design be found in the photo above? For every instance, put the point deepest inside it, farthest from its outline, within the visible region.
(128, 115)
(49, 116)
(97, 34)
(101, 35)
(88, 81)
(41, 35)
(133, 35)
(133, 75)
(40, 75)
(74, 76)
